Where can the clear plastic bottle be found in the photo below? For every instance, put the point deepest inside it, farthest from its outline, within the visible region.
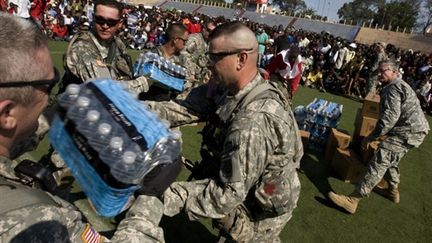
(70, 95)
(79, 110)
(124, 171)
(113, 152)
(102, 137)
(89, 125)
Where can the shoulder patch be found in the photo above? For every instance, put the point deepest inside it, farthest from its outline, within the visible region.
(90, 235)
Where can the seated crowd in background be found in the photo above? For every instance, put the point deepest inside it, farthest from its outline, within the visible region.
(329, 63)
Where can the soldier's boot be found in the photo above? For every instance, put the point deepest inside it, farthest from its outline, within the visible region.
(391, 193)
(349, 203)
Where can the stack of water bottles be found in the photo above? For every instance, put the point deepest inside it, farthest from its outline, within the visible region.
(164, 72)
(110, 141)
(318, 118)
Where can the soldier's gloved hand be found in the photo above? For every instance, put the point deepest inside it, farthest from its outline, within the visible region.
(159, 179)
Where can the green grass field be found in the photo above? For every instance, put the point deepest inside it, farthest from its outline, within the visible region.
(314, 219)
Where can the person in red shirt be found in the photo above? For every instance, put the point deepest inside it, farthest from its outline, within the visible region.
(12, 8)
(288, 65)
(36, 9)
(3, 5)
(60, 30)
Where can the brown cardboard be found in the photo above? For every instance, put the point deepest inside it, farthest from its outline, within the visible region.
(363, 125)
(304, 137)
(366, 154)
(336, 139)
(347, 165)
(371, 106)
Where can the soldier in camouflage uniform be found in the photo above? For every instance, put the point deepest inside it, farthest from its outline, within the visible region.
(99, 53)
(372, 83)
(194, 56)
(401, 126)
(33, 215)
(251, 141)
(177, 36)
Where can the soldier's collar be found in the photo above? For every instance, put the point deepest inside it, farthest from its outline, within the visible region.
(225, 112)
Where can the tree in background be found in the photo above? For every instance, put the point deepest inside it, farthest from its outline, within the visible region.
(292, 6)
(396, 13)
(426, 15)
(359, 11)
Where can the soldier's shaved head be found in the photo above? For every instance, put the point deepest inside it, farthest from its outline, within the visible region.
(233, 54)
(235, 35)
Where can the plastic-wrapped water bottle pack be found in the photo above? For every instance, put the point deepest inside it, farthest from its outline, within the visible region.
(111, 141)
(161, 70)
(317, 118)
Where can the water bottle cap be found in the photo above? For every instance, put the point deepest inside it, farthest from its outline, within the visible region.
(83, 101)
(73, 89)
(129, 157)
(93, 115)
(116, 142)
(176, 134)
(104, 128)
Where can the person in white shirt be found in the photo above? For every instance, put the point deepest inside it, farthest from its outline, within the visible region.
(23, 9)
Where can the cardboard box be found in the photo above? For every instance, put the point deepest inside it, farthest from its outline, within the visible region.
(304, 137)
(371, 106)
(364, 125)
(366, 154)
(347, 165)
(336, 139)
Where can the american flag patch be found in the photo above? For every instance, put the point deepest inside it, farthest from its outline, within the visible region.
(90, 235)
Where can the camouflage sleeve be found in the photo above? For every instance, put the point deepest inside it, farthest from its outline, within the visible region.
(138, 85)
(194, 108)
(54, 223)
(242, 162)
(390, 109)
(84, 62)
(141, 222)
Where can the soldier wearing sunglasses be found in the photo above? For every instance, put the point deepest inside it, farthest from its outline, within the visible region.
(247, 180)
(28, 214)
(99, 53)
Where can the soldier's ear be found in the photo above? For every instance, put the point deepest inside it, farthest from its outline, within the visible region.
(8, 120)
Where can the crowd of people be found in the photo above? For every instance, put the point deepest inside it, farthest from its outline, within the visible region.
(329, 63)
(247, 180)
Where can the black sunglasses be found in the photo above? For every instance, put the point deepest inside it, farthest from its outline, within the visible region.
(101, 21)
(215, 57)
(50, 82)
(184, 40)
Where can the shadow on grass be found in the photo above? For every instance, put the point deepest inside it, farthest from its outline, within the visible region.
(180, 229)
(318, 172)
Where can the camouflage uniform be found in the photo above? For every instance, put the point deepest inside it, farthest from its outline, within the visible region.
(403, 125)
(195, 60)
(257, 149)
(373, 73)
(86, 59)
(55, 220)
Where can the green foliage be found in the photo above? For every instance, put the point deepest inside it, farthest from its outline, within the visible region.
(401, 13)
(292, 6)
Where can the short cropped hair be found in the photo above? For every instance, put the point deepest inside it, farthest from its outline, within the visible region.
(20, 40)
(391, 64)
(109, 3)
(175, 30)
(227, 29)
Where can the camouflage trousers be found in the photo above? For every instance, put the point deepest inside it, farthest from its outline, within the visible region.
(384, 163)
(238, 227)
